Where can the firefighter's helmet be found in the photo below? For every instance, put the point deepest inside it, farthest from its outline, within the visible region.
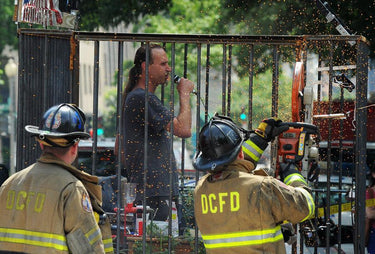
(220, 141)
(65, 121)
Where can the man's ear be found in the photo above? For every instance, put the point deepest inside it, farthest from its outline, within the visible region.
(75, 147)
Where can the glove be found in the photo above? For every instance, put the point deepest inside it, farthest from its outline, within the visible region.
(289, 233)
(267, 130)
(289, 173)
(270, 128)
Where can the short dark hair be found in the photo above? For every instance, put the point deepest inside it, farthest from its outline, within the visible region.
(58, 150)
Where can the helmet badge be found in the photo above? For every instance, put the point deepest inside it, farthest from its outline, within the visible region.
(54, 119)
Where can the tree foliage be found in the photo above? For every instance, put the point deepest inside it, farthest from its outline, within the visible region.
(106, 13)
(259, 17)
(8, 29)
(291, 17)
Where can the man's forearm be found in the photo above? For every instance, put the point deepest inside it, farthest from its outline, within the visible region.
(182, 123)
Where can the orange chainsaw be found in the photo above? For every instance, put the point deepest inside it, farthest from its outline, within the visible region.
(298, 146)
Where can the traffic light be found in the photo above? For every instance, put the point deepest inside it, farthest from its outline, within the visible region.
(100, 132)
(243, 115)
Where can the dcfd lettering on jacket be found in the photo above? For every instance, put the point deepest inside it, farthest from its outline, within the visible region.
(220, 202)
(20, 200)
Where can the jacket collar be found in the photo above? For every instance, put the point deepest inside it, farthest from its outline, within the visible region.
(89, 181)
(233, 170)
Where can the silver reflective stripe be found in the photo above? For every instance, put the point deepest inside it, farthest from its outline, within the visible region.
(243, 238)
(34, 238)
(93, 235)
(252, 150)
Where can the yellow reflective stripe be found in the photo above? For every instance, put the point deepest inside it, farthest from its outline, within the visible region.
(34, 238)
(243, 238)
(345, 207)
(310, 203)
(93, 235)
(294, 178)
(108, 245)
(252, 150)
(370, 202)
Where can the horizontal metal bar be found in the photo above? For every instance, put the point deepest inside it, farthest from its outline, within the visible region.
(338, 68)
(331, 190)
(194, 38)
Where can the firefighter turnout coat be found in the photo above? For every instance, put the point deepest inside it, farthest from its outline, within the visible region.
(239, 211)
(50, 207)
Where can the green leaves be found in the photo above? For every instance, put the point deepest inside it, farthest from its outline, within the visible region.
(8, 29)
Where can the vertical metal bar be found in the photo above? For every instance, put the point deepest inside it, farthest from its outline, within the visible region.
(360, 139)
(95, 107)
(45, 74)
(275, 98)
(74, 80)
(224, 78)
(207, 88)
(329, 168)
(199, 66)
(21, 81)
(229, 78)
(251, 83)
(185, 59)
(183, 142)
(145, 159)
(319, 97)
(199, 46)
(162, 92)
(275, 81)
(173, 63)
(340, 137)
(119, 126)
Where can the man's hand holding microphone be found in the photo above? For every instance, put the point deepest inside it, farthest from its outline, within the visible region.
(184, 82)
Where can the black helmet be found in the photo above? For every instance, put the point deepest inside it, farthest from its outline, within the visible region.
(220, 141)
(61, 121)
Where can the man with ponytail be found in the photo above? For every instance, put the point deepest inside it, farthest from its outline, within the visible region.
(160, 161)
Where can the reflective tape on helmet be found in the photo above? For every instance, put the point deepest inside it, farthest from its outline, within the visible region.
(252, 150)
(256, 237)
(310, 202)
(294, 178)
(27, 237)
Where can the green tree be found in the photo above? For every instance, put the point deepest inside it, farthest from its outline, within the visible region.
(231, 16)
(106, 13)
(298, 17)
(8, 29)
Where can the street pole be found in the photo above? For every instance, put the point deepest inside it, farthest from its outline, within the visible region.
(11, 71)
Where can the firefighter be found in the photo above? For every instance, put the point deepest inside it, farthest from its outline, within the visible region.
(239, 209)
(51, 206)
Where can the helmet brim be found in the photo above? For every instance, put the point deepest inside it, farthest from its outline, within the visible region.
(34, 130)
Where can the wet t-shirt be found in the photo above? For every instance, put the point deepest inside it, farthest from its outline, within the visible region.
(160, 160)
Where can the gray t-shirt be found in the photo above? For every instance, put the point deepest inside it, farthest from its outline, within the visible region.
(160, 161)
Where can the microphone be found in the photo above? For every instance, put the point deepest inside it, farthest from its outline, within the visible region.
(177, 80)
